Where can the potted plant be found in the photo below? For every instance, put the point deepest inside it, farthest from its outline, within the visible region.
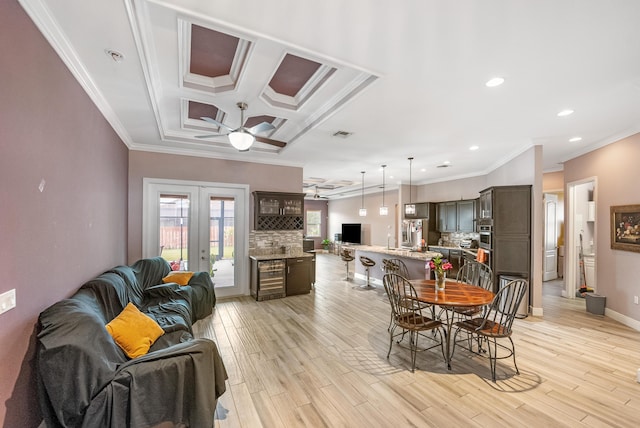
(326, 243)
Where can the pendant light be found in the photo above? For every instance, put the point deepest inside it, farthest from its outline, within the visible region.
(410, 208)
(383, 209)
(363, 210)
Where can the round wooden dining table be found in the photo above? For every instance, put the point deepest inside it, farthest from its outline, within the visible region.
(455, 294)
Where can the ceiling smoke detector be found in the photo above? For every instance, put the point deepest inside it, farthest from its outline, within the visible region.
(342, 134)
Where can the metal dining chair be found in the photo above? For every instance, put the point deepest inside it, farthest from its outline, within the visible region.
(395, 266)
(478, 274)
(408, 316)
(496, 324)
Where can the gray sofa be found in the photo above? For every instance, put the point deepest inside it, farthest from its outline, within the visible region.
(86, 380)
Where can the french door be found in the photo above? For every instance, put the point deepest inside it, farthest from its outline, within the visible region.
(199, 227)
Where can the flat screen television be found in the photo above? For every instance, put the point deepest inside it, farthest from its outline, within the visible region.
(351, 233)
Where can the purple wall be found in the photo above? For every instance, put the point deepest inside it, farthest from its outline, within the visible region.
(318, 205)
(75, 228)
(616, 168)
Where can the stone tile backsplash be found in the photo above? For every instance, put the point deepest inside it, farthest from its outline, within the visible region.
(453, 239)
(267, 242)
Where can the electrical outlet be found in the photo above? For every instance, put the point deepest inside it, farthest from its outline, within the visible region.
(635, 299)
(7, 300)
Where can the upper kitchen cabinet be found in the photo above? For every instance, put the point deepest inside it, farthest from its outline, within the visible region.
(507, 209)
(511, 210)
(447, 217)
(456, 216)
(485, 212)
(420, 210)
(278, 211)
(466, 215)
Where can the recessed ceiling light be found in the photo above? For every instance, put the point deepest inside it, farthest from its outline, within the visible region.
(472, 148)
(423, 170)
(496, 81)
(575, 139)
(565, 112)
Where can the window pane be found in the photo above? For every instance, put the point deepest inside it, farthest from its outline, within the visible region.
(221, 240)
(314, 217)
(313, 230)
(314, 223)
(174, 230)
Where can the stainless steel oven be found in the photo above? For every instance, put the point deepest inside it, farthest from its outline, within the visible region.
(485, 234)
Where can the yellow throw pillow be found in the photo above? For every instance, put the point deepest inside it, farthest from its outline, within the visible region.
(180, 277)
(134, 331)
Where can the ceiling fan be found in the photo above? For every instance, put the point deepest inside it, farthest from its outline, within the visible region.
(243, 138)
(317, 195)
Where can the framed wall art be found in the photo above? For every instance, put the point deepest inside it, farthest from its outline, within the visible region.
(625, 227)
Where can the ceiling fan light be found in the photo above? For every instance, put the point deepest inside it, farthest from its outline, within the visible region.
(241, 140)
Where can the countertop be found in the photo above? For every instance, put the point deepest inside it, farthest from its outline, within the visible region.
(397, 252)
(281, 256)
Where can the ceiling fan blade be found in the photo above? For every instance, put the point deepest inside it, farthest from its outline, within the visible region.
(215, 122)
(270, 141)
(261, 127)
(209, 136)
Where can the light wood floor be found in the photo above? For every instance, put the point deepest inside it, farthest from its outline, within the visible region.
(320, 360)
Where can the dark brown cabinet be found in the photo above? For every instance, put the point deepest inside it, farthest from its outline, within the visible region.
(420, 210)
(447, 217)
(455, 258)
(456, 216)
(278, 211)
(299, 275)
(512, 210)
(509, 224)
(453, 255)
(485, 207)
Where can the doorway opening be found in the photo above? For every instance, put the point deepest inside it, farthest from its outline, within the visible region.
(581, 237)
(199, 226)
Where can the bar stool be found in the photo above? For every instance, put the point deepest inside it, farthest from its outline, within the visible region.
(367, 263)
(346, 258)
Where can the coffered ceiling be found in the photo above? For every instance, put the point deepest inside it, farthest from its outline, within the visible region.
(351, 85)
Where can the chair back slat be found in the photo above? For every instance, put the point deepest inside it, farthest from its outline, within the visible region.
(395, 266)
(403, 298)
(476, 273)
(504, 307)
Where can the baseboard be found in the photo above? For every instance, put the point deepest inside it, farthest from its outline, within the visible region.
(536, 312)
(629, 322)
(373, 281)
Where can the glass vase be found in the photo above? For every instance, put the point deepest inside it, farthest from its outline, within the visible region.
(440, 280)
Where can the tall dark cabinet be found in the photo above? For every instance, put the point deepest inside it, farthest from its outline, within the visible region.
(507, 210)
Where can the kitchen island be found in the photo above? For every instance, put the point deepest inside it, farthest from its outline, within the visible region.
(416, 261)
